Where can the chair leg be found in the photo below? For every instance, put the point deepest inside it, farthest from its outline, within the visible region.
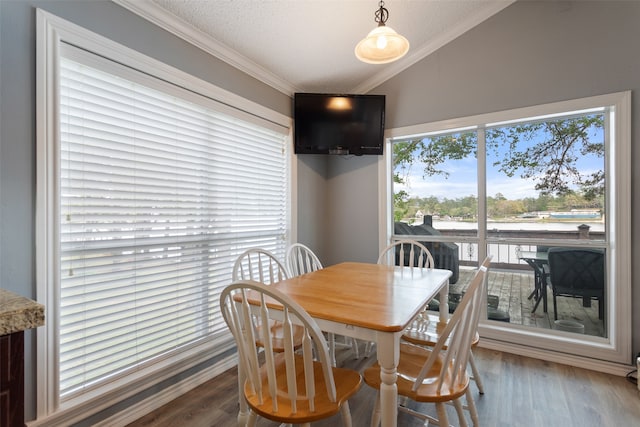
(367, 349)
(332, 348)
(345, 412)
(375, 415)
(441, 408)
(555, 307)
(601, 308)
(476, 373)
(354, 345)
(460, 411)
(403, 400)
(251, 421)
(471, 407)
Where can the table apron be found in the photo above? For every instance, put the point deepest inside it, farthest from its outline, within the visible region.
(352, 331)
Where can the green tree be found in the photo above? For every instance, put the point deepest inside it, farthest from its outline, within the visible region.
(432, 152)
(400, 205)
(551, 161)
(545, 152)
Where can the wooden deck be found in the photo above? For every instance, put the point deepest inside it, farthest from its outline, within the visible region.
(513, 288)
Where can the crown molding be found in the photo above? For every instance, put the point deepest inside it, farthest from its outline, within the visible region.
(435, 44)
(169, 22)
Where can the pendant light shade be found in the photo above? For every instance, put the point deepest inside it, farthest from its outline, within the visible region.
(382, 44)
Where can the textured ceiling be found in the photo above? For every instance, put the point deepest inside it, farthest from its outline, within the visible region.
(308, 45)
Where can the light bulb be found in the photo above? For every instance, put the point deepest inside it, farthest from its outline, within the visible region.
(381, 42)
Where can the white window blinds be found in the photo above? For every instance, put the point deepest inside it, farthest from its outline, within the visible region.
(158, 195)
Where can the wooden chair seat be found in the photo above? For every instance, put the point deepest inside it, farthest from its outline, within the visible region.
(425, 332)
(412, 359)
(277, 336)
(427, 328)
(347, 383)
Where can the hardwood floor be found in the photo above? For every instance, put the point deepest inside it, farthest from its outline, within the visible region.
(519, 391)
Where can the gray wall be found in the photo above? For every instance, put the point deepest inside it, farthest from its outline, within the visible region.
(530, 53)
(334, 198)
(352, 185)
(312, 203)
(17, 120)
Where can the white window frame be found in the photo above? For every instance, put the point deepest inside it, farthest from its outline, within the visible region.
(52, 31)
(611, 354)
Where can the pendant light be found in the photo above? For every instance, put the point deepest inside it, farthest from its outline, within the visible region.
(382, 44)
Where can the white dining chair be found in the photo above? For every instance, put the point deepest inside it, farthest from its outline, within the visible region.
(405, 253)
(300, 259)
(438, 374)
(263, 266)
(292, 386)
(260, 265)
(427, 329)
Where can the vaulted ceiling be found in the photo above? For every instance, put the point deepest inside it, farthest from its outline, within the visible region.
(308, 45)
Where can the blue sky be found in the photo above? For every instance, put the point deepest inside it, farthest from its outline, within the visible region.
(462, 180)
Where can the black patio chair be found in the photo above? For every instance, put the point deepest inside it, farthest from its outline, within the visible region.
(577, 272)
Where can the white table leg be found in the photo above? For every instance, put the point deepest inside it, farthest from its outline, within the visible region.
(388, 356)
(444, 303)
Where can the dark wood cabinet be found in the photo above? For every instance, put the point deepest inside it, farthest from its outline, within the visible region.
(12, 380)
(17, 314)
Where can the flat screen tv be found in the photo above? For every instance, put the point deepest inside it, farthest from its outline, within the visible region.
(338, 124)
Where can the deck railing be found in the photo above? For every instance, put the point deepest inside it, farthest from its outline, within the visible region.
(507, 254)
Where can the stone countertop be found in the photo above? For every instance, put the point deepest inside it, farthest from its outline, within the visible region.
(18, 313)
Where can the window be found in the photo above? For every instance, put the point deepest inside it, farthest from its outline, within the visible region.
(152, 190)
(517, 183)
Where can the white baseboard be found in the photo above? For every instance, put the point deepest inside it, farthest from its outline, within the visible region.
(617, 369)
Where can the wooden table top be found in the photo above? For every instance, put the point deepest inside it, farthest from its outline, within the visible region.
(378, 297)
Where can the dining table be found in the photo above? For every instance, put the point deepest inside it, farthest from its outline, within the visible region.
(539, 262)
(371, 302)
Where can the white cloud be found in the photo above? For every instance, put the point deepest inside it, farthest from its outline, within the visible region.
(464, 184)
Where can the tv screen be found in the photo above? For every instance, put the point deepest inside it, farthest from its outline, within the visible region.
(338, 124)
